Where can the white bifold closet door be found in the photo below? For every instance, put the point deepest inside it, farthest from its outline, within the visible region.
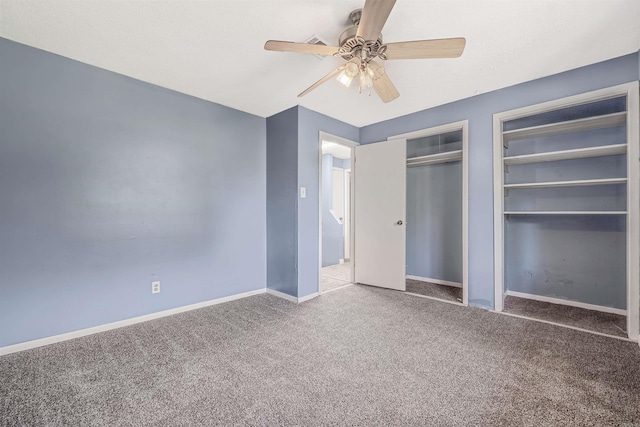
(380, 214)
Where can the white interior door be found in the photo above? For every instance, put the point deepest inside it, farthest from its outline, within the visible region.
(380, 209)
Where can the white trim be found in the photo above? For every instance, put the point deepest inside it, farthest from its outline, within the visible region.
(575, 328)
(498, 215)
(436, 281)
(465, 212)
(121, 323)
(323, 136)
(630, 90)
(282, 295)
(633, 209)
(290, 298)
(452, 127)
(307, 297)
(459, 304)
(570, 303)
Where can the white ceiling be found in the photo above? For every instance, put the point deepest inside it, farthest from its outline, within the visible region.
(214, 49)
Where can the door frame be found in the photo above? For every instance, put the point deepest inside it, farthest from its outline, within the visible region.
(437, 130)
(324, 136)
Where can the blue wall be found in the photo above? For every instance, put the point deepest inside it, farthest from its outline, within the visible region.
(108, 183)
(310, 124)
(332, 227)
(282, 205)
(434, 221)
(479, 110)
(342, 163)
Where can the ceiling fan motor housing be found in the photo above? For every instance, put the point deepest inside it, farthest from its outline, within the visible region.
(352, 47)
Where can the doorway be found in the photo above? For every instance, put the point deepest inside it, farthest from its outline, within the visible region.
(336, 213)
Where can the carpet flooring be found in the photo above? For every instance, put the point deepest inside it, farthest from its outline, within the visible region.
(448, 293)
(360, 356)
(606, 323)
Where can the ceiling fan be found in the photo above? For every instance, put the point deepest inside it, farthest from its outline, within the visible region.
(361, 43)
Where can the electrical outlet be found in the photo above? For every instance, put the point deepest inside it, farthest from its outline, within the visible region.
(155, 287)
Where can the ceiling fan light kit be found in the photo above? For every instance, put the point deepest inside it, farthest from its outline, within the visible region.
(362, 43)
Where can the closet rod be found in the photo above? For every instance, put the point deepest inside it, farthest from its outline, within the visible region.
(433, 159)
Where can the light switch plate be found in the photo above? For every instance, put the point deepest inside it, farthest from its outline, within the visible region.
(303, 192)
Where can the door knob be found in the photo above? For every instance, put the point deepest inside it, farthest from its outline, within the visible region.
(399, 222)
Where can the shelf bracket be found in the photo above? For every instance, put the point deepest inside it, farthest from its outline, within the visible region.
(506, 169)
(506, 192)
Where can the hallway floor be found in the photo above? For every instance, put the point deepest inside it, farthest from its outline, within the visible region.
(335, 276)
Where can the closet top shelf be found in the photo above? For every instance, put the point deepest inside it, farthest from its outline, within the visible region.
(578, 153)
(595, 122)
(577, 183)
(432, 159)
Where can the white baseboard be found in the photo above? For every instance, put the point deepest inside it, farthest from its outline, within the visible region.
(282, 295)
(570, 303)
(436, 281)
(291, 298)
(308, 297)
(121, 323)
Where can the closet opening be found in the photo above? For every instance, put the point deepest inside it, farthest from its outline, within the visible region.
(436, 212)
(566, 175)
(336, 213)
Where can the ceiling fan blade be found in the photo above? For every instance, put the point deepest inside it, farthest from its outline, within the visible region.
(437, 48)
(385, 88)
(322, 80)
(374, 15)
(316, 49)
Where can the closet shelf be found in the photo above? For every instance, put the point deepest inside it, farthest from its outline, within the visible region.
(595, 122)
(579, 153)
(432, 159)
(577, 183)
(565, 212)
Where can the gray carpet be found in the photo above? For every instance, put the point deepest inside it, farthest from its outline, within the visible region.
(606, 323)
(449, 293)
(357, 356)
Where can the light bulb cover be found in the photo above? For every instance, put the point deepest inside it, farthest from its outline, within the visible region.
(375, 70)
(344, 78)
(352, 68)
